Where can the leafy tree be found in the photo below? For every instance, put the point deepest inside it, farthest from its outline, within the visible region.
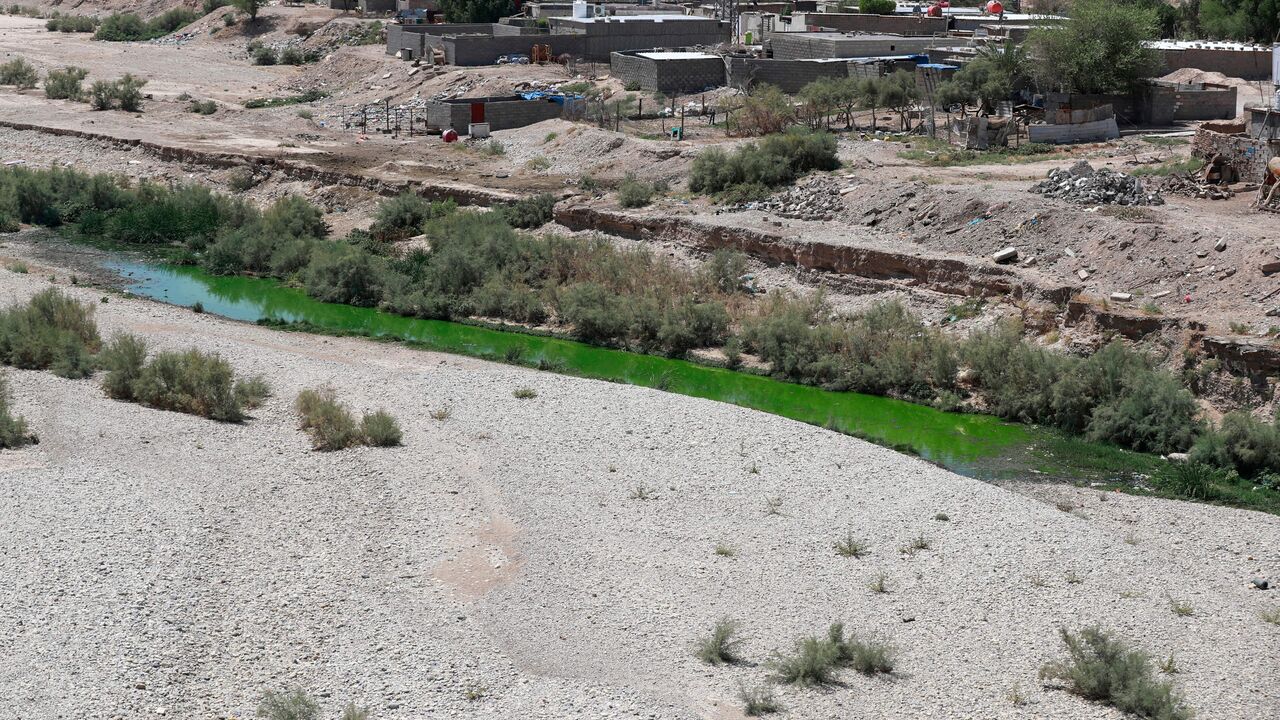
(1255, 20)
(876, 7)
(1097, 50)
(994, 75)
(248, 7)
(765, 111)
(477, 11)
(898, 92)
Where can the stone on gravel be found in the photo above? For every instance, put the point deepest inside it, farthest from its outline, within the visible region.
(1083, 185)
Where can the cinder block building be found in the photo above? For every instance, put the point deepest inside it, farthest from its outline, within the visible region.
(501, 112)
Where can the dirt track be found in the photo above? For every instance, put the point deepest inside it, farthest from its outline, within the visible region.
(157, 560)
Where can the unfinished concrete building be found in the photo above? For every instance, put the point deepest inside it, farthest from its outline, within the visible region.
(671, 72)
(825, 45)
(499, 113)
(1240, 60)
(1239, 150)
(590, 38)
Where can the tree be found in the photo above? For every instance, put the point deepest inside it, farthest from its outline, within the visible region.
(1255, 20)
(994, 75)
(766, 110)
(477, 11)
(1097, 50)
(248, 7)
(949, 94)
(898, 92)
(877, 7)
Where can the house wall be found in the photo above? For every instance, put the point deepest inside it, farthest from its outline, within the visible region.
(788, 75)
(501, 114)
(1253, 64)
(858, 22)
(1242, 153)
(805, 46)
(667, 76)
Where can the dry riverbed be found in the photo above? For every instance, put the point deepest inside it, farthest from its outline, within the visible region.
(498, 565)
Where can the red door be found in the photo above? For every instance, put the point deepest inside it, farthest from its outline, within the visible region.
(477, 112)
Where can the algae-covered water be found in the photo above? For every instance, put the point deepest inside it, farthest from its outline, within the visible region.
(979, 446)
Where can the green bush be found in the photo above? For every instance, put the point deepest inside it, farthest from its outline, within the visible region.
(876, 7)
(328, 421)
(812, 662)
(758, 701)
(50, 331)
(292, 56)
(531, 212)
(192, 382)
(1103, 669)
(405, 215)
(634, 193)
(208, 6)
(203, 107)
(776, 160)
(19, 73)
(72, 24)
(65, 84)
(102, 95)
(123, 358)
(125, 93)
(124, 27)
(292, 705)
(721, 646)
(264, 56)
(379, 429)
(1242, 442)
(867, 656)
(252, 391)
(13, 430)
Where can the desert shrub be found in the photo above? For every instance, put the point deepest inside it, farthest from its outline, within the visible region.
(405, 215)
(19, 73)
(292, 217)
(192, 382)
(50, 331)
(868, 656)
(339, 273)
(776, 160)
(379, 429)
(1101, 668)
(291, 705)
(121, 27)
(813, 661)
(252, 391)
(758, 701)
(102, 95)
(766, 110)
(292, 56)
(72, 24)
(724, 269)
(596, 314)
(264, 56)
(65, 84)
(13, 430)
(328, 421)
(721, 646)
(1242, 442)
(203, 107)
(209, 6)
(1193, 480)
(123, 359)
(531, 212)
(634, 193)
(876, 7)
(241, 181)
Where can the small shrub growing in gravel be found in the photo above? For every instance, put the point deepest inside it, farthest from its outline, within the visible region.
(813, 661)
(850, 546)
(758, 700)
(1181, 609)
(13, 430)
(123, 358)
(328, 421)
(379, 429)
(721, 647)
(292, 56)
(879, 584)
(252, 391)
(264, 56)
(241, 181)
(354, 712)
(19, 73)
(193, 382)
(867, 656)
(290, 705)
(634, 193)
(1272, 616)
(1102, 668)
(65, 84)
(525, 393)
(50, 331)
(203, 107)
(442, 414)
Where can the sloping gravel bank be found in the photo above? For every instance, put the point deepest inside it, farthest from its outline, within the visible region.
(497, 566)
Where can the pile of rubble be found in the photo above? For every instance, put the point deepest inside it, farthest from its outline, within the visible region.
(817, 198)
(1190, 185)
(1083, 185)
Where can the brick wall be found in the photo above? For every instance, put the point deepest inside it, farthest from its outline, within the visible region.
(787, 75)
(500, 113)
(667, 76)
(1246, 156)
(1207, 103)
(803, 46)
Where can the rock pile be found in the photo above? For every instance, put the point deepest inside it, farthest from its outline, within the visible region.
(817, 198)
(1192, 186)
(1083, 185)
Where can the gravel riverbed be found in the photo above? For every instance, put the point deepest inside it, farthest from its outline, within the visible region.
(497, 565)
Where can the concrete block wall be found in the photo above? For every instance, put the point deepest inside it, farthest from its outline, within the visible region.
(858, 22)
(500, 113)
(788, 75)
(470, 50)
(1206, 103)
(1245, 155)
(805, 46)
(1253, 64)
(670, 76)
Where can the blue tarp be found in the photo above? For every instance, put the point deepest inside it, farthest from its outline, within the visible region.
(553, 97)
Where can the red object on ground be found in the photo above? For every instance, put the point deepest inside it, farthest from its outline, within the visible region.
(994, 8)
(1187, 299)
(449, 135)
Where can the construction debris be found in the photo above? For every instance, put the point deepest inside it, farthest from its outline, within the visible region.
(1006, 255)
(818, 198)
(1083, 185)
(1189, 185)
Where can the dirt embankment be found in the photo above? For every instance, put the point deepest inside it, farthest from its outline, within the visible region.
(498, 565)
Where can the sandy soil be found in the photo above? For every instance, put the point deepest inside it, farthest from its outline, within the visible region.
(496, 565)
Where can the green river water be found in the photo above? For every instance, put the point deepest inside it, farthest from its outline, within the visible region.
(979, 446)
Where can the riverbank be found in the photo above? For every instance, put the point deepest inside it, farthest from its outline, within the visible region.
(500, 565)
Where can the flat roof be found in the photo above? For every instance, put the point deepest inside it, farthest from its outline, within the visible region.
(677, 55)
(1204, 45)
